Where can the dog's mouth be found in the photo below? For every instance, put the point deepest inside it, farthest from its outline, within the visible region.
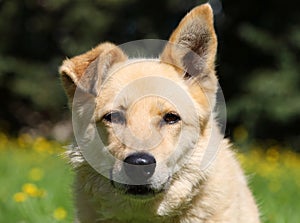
(138, 191)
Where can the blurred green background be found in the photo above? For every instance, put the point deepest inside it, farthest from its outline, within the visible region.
(258, 61)
(258, 68)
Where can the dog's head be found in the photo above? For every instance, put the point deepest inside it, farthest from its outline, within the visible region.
(140, 121)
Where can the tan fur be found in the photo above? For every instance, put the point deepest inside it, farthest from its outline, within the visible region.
(186, 192)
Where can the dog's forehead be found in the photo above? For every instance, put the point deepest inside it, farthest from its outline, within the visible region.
(141, 68)
(138, 79)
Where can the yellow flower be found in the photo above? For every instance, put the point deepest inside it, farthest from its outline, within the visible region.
(36, 174)
(42, 145)
(20, 197)
(31, 190)
(24, 140)
(60, 213)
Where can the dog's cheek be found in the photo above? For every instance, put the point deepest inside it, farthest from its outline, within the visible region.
(103, 133)
(162, 175)
(184, 147)
(110, 140)
(165, 149)
(116, 148)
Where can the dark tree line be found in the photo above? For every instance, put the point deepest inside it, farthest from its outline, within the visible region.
(258, 60)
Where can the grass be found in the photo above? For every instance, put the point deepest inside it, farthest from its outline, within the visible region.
(275, 182)
(36, 182)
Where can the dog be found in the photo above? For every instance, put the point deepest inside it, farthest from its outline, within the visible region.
(148, 146)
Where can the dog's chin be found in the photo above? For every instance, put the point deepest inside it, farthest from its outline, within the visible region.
(136, 191)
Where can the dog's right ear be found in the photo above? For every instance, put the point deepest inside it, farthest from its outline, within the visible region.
(193, 45)
(87, 71)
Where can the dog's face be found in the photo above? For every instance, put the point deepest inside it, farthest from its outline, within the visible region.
(150, 114)
(148, 130)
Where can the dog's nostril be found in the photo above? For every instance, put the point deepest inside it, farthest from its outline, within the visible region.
(139, 167)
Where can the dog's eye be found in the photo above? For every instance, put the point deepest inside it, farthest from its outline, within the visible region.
(171, 118)
(186, 75)
(115, 117)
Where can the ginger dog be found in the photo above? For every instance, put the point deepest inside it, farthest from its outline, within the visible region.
(148, 146)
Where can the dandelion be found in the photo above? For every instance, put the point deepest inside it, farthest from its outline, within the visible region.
(20, 197)
(36, 174)
(42, 145)
(31, 190)
(60, 213)
(24, 140)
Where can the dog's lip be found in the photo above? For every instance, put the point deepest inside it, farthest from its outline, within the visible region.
(139, 190)
(136, 190)
(143, 190)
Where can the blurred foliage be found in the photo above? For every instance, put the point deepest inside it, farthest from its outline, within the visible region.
(274, 179)
(37, 181)
(259, 47)
(259, 64)
(271, 94)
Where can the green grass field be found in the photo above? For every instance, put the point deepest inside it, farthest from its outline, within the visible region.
(36, 182)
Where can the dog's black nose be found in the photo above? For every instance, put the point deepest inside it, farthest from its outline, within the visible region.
(139, 167)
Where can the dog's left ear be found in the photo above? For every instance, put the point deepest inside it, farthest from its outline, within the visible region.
(192, 46)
